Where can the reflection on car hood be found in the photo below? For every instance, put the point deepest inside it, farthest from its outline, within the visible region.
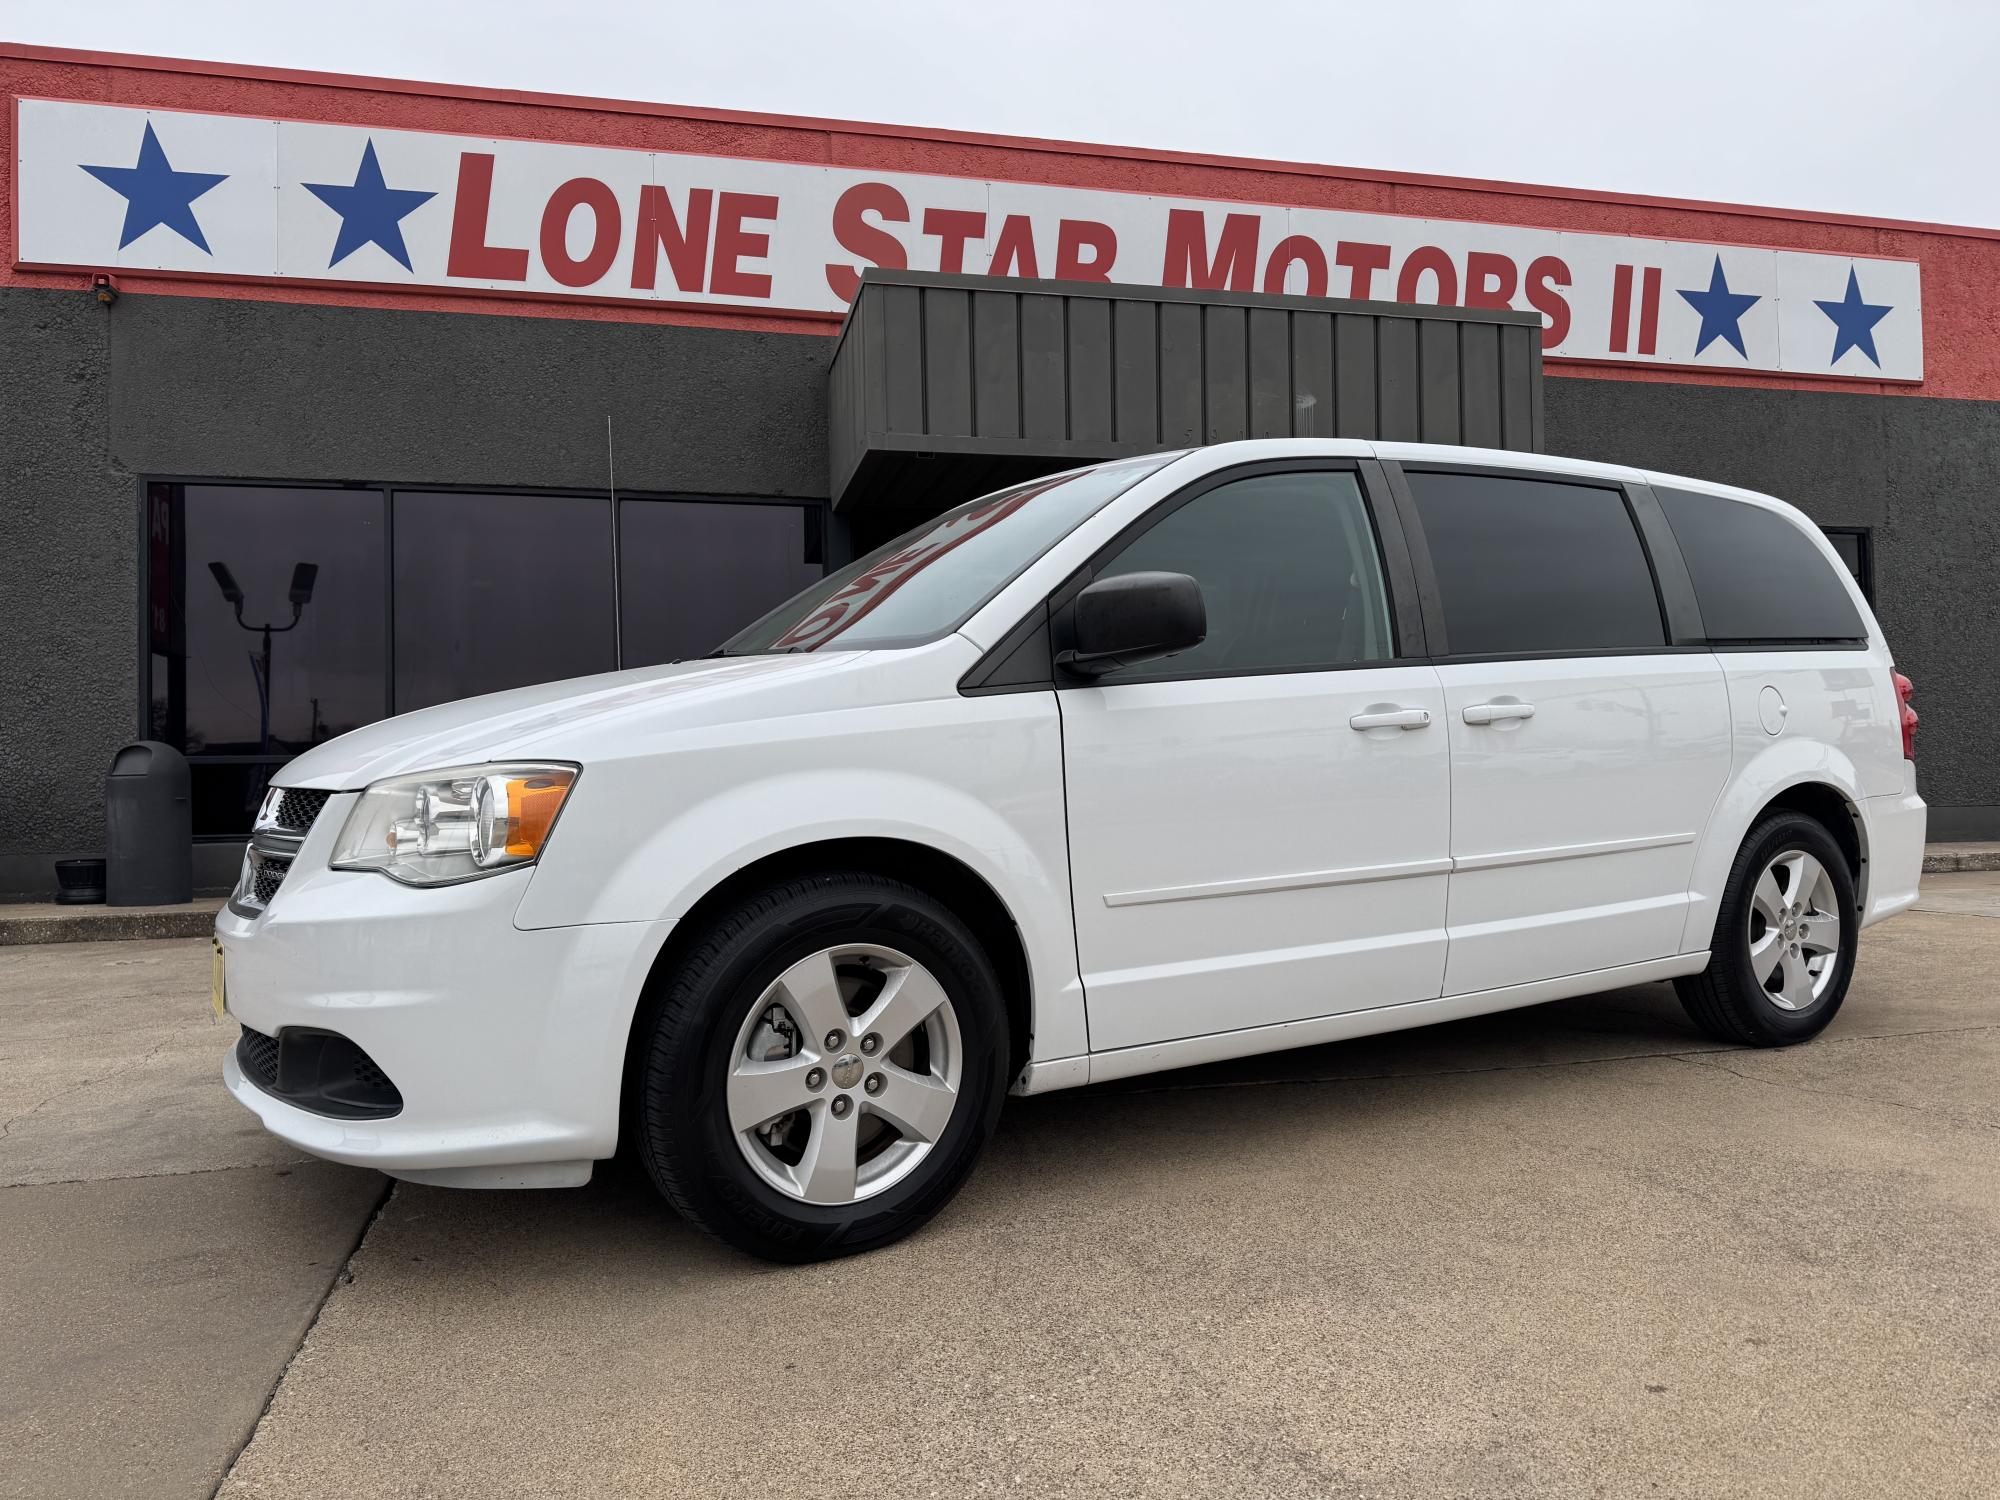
(539, 719)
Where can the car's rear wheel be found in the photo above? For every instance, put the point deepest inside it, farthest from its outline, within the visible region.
(823, 1067)
(1783, 950)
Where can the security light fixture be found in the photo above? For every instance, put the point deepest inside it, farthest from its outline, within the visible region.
(226, 581)
(304, 576)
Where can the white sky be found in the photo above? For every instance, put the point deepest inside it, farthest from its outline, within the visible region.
(1842, 106)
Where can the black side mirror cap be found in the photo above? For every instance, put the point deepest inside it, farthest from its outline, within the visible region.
(1133, 618)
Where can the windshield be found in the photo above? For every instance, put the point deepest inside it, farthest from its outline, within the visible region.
(929, 581)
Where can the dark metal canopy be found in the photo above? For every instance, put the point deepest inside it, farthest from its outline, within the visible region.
(944, 387)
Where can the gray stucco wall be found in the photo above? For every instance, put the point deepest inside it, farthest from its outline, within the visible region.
(1924, 473)
(92, 398)
(69, 607)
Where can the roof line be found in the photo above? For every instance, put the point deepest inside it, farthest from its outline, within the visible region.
(545, 100)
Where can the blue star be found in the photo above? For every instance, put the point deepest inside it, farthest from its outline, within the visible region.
(1854, 321)
(1720, 310)
(155, 193)
(371, 212)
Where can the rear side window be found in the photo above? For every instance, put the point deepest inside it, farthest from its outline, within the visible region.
(1532, 566)
(1757, 577)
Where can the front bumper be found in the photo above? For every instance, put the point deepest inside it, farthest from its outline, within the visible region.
(508, 1046)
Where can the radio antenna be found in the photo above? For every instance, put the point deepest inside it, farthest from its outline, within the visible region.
(617, 551)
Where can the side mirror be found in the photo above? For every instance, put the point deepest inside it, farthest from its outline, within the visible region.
(1135, 617)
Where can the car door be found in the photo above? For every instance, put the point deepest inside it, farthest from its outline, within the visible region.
(1588, 742)
(1259, 826)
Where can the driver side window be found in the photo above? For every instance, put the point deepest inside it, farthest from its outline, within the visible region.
(1289, 573)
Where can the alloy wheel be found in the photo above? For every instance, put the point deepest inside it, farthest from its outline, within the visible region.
(845, 1074)
(1794, 930)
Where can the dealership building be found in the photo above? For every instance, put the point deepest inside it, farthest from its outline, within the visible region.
(329, 398)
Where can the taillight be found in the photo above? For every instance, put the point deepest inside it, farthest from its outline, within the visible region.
(1905, 692)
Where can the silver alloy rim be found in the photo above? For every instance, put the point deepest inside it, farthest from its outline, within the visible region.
(845, 1074)
(1794, 930)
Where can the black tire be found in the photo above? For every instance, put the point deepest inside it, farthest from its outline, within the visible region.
(688, 1046)
(1725, 1000)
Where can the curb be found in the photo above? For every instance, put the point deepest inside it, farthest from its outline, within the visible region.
(83, 925)
(1944, 859)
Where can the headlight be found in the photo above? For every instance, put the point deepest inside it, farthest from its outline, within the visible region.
(446, 826)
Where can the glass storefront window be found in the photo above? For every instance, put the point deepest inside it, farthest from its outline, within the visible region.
(380, 601)
(266, 630)
(1856, 546)
(692, 572)
(281, 601)
(499, 591)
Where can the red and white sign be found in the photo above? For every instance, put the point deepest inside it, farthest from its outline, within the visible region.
(108, 187)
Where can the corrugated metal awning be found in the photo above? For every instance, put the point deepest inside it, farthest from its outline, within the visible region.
(944, 387)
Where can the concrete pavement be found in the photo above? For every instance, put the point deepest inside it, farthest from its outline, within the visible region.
(1574, 1249)
(162, 1255)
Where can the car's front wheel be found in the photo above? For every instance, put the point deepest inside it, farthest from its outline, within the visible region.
(823, 1067)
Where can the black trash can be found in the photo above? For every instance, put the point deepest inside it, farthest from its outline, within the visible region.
(148, 827)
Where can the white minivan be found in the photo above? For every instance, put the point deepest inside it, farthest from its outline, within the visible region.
(1165, 760)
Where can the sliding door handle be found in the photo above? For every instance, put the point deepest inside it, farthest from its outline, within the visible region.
(1493, 713)
(1394, 718)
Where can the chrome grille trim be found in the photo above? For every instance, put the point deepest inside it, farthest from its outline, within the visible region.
(283, 822)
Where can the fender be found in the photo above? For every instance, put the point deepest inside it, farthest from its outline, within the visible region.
(1774, 769)
(988, 795)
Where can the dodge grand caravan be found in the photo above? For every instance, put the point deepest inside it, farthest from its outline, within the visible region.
(1165, 760)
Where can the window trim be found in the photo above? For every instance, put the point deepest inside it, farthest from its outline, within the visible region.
(1679, 620)
(1052, 619)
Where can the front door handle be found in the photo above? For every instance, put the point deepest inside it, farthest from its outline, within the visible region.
(1395, 718)
(1493, 713)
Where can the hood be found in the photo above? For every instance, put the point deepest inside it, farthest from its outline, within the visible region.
(493, 727)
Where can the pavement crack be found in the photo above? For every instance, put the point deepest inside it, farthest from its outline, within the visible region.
(342, 1276)
(283, 1164)
(7, 1127)
(1711, 1062)
(1897, 1036)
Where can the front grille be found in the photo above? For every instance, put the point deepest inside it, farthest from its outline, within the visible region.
(298, 807)
(287, 817)
(257, 1055)
(268, 876)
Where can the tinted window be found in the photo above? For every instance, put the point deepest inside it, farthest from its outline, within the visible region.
(1856, 546)
(498, 591)
(238, 702)
(490, 591)
(1288, 572)
(692, 573)
(927, 581)
(324, 653)
(1529, 565)
(1757, 577)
